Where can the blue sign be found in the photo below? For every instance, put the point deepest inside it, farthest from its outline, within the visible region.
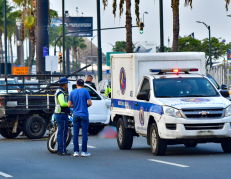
(83, 26)
(45, 51)
(108, 72)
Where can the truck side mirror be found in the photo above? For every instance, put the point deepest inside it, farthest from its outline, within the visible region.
(224, 87)
(225, 93)
(102, 91)
(142, 96)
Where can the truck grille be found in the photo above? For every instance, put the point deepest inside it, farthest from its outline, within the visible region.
(213, 126)
(203, 113)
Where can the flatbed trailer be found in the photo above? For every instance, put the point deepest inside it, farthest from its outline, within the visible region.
(30, 110)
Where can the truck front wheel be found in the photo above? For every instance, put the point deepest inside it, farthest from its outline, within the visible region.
(158, 145)
(34, 127)
(124, 136)
(8, 133)
(226, 146)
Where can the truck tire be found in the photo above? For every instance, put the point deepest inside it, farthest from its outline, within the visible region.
(124, 136)
(226, 146)
(94, 130)
(158, 145)
(34, 127)
(8, 133)
(52, 145)
(194, 144)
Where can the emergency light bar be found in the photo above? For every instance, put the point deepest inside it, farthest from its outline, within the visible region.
(175, 70)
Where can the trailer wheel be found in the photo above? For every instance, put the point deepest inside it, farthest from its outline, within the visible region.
(158, 145)
(34, 127)
(124, 136)
(8, 133)
(226, 146)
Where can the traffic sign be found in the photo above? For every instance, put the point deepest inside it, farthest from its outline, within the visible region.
(108, 56)
(229, 55)
(20, 70)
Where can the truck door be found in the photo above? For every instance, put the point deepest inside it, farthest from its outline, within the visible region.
(142, 108)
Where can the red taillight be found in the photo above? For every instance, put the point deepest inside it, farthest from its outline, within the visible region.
(176, 70)
(194, 69)
(0, 103)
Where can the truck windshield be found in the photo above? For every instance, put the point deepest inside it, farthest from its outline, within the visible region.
(184, 87)
(9, 87)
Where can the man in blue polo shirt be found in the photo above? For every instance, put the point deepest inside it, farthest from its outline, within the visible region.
(80, 100)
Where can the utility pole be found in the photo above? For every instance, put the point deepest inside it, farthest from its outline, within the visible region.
(5, 31)
(63, 15)
(210, 53)
(43, 34)
(99, 42)
(161, 26)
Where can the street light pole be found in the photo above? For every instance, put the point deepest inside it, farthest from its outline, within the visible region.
(99, 42)
(210, 55)
(210, 51)
(161, 26)
(5, 31)
(63, 16)
(143, 15)
(91, 52)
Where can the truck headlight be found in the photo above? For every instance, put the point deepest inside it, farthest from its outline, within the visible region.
(172, 112)
(228, 111)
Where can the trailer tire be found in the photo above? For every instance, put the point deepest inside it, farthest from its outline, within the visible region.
(158, 145)
(8, 133)
(194, 144)
(124, 136)
(34, 127)
(226, 146)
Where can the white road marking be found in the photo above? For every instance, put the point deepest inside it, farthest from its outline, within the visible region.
(92, 147)
(5, 175)
(175, 164)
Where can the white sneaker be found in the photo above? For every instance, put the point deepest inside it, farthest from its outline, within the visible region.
(76, 154)
(85, 154)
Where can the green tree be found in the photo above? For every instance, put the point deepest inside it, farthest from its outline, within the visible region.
(10, 20)
(189, 44)
(129, 47)
(176, 22)
(120, 46)
(78, 44)
(29, 24)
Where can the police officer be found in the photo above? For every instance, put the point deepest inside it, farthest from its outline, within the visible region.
(108, 90)
(89, 81)
(61, 116)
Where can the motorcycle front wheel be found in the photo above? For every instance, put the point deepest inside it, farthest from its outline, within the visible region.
(52, 144)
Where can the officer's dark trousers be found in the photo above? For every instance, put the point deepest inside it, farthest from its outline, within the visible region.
(62, 120)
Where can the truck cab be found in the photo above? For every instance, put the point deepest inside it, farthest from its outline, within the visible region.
(170, 105)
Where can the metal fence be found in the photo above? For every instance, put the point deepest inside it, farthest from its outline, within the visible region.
(221, 74)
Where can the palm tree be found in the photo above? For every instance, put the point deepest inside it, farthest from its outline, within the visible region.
(9, 22)
(129, 48)
(29, 23)
(78, 44)
(176, 22)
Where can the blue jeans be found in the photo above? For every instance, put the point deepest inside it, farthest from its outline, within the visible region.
(62, 120)
(84, 122)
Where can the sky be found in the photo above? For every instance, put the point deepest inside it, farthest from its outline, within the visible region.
(212, 12)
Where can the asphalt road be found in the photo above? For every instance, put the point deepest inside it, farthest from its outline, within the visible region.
(26, 158)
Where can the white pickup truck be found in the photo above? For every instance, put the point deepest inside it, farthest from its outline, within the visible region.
(99, 112)
(167, 98)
